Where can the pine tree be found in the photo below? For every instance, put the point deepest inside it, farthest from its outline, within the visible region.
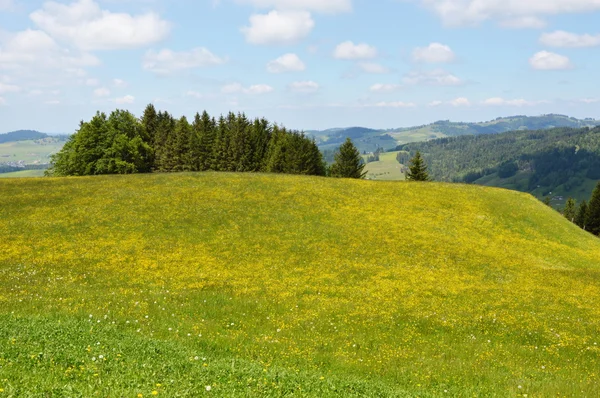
(582, 215)
(570, 211)
(348, 162)
(593, 219)
(417, 169)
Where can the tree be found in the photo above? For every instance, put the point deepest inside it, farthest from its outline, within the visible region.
(417, 171)
(593, 219)
(348, 162)
(570, 211)
(582, 215)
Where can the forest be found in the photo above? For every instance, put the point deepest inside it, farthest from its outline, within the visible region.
(547, 159)
(123, 144)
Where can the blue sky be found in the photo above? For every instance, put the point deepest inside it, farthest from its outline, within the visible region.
(306, 64)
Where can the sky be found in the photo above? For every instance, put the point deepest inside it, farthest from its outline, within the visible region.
(305, 64)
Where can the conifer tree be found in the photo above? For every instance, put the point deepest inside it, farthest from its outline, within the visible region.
(348, 162)
(417, 171)
(593, 219)
(570, 211)
(582, 215)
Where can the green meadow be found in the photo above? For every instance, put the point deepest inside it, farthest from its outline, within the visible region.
(234, 285)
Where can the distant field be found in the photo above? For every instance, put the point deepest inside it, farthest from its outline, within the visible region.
(24, 173)
(277, 286)
(387, 169)
(29, 152)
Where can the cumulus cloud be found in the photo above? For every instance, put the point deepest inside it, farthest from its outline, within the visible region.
(394, 104)
(351, 51)
(128, 99)
(167, 61)
(435, 103)
(462, 101)
(278, 27)
(372, 67)
(9, 88)
(589, 100)
(497, 101)
(468, 12)
(545, 60)
(286, 63)
(119, 83)
(435, 53)
(34, 51)
(322, 6)
(85, 25)
(235, 88)
(523, 23)
(560, 38)
(385, 88)
(437, 77)
(101, 92)
(304, 87)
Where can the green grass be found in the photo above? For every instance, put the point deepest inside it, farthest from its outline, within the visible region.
(29, 152)
(386, 169)
(23, 173)
(272, 285)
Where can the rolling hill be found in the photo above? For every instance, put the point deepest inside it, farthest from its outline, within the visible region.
(369, 140)
(274, 285)
(24, 150)
(559, 162)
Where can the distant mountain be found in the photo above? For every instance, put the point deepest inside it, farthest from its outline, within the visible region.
(369, 140)
(22, 135)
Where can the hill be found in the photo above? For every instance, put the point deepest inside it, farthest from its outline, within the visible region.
(275, 285)
(559, 162)
(22, 135)
(369, 140)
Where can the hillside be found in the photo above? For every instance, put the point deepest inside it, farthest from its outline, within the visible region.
(369, 140)
(559, 162)
(274, 285)
(22, 135)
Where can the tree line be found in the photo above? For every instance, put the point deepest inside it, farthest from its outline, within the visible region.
(157, 142)
(587, 214)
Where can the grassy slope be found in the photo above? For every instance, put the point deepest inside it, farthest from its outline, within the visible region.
(271, 285)
(386, 169)
(23, 173)
(30, 152)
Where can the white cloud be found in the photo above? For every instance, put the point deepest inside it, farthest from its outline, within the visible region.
(462, 101)
(435, 53)
(497, 101)
(119, 83)
(437, 77)
(304, 87)
(194, 94)
(545, 60)
(323, 6)
(286, 63)
(523, 23)
(33, 51)
(278, 27)
(256, 89)
(6, 4)
(394, 104)
(84, 24)
(560, 38)
(435, 103)
(92, 82)
(349, 50)
(128, 99)
(372, 67)
(2, 101)
(589, 100)
(101, 92)
(385, 88)
(167, 61)
(469, 12)
(9, 88)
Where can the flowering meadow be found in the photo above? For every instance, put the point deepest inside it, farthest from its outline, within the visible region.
(200, 284)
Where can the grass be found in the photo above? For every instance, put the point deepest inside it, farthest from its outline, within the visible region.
(272, 285)
(23, 173)
(29, 152)
(386, 169)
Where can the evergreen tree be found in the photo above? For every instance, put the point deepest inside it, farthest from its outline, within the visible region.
(570, 211)
(547, 201)
(593, 219)
(149, 128)
(582, 215)
(348, 162)
(417, 171)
